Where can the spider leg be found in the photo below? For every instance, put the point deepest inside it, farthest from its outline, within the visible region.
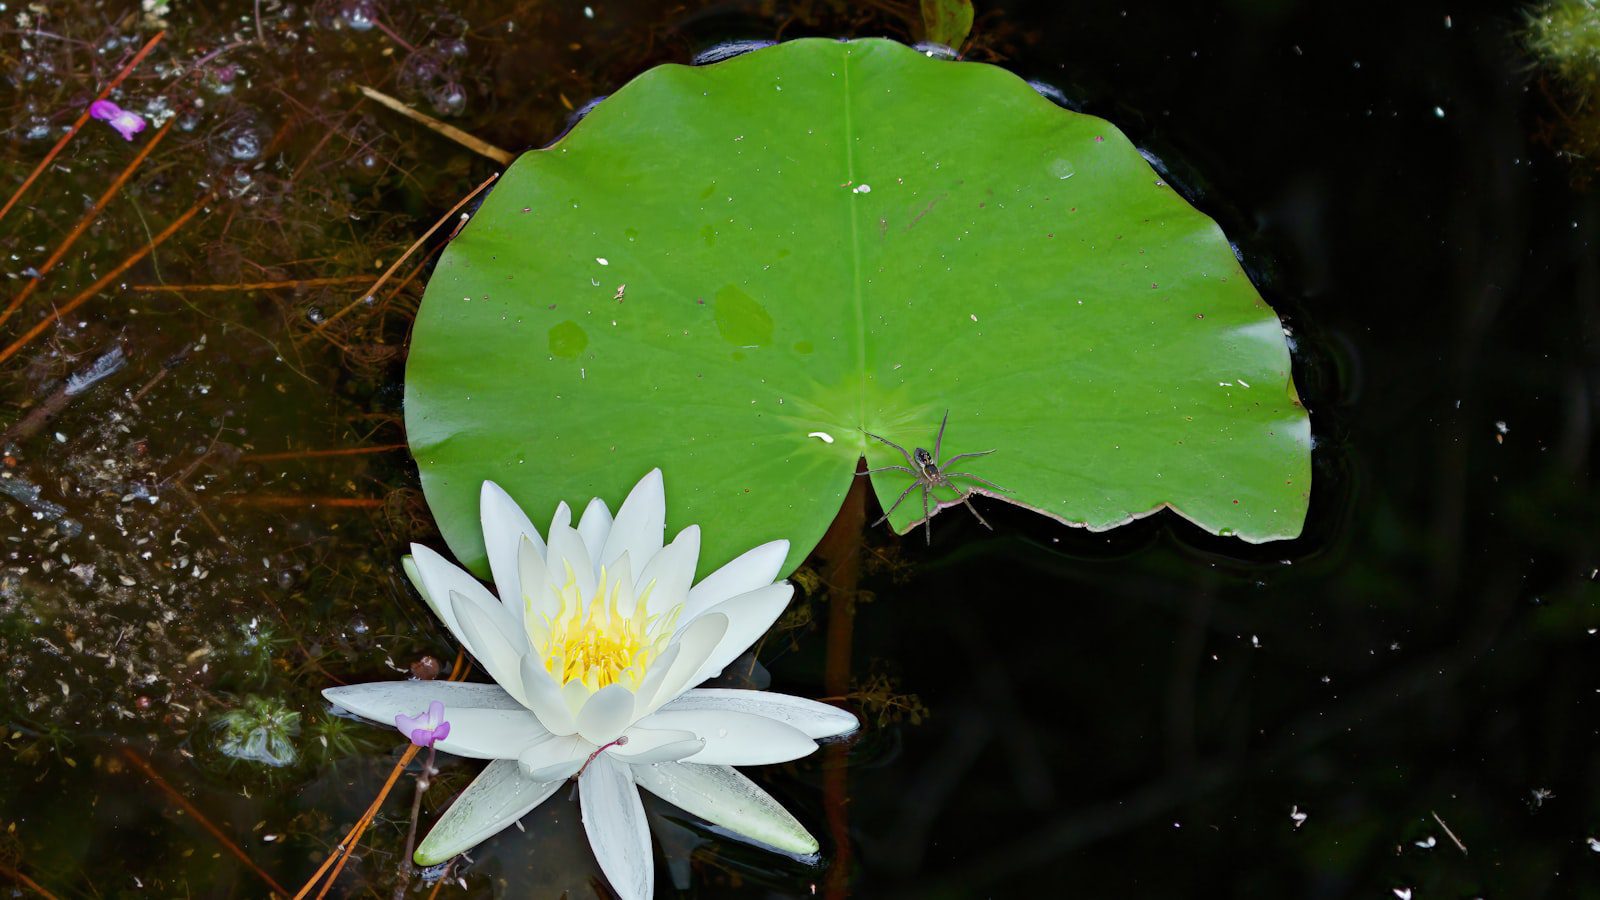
(886, 469)
(909, 460)
(971, 477)
(903, 494)
(946, 463)
(974, 510)
(940, 439)
(927, 517)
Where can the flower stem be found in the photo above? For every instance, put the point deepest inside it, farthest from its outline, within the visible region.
(407, 867)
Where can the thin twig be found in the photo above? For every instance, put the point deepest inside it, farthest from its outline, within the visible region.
(22, 879)
(82, 120)
(93, 289)
(475, 144)
(227, 842)
(407, 866)
(87, 220)
(313, 454)
(372, 291)
(283, 501)
(1450, 834)
(248, 286)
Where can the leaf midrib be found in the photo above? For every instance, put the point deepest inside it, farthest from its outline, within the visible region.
(855, 252)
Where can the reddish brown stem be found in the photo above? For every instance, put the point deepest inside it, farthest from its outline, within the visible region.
(194, 812)
(22, 879)
(281, 501)
(84, 223)
(315, 454)
(94, 289)
(841, 547)
(82, 120)
(248, 286)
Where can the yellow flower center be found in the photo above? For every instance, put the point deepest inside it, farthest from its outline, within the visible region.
(597, 643)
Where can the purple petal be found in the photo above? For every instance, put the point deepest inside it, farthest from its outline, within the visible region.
(442, 732)
(104, 110)
(128, 124)
(408, 724)
(435, 713)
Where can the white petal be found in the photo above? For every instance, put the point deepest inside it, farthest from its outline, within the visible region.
(439, 577)
(408, 564)
(558, 758)
(752, 569)
(619, 576)
(671, 570)
(594, 526)
(608, 713)
(724, 797)
(640, 522)
(533, 578)
(695, 645)
(567, 551)
(500, 795)
(650, 685)
(485, 721)
(653, 745)
(815, 720)
(614, 819)
(381, 701)
(749, 617)
(575, 694)
(491, 733)
(735, 739)
(483, 625)
(505, 527)
(544, 697)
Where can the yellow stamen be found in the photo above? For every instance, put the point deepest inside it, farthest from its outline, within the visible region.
(600, 645)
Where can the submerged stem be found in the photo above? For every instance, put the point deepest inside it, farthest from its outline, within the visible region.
(407, 866)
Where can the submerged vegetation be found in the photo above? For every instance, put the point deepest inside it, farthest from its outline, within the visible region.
(1563, 38)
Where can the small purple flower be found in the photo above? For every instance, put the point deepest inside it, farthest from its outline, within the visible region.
(126, 122)
(424, 729)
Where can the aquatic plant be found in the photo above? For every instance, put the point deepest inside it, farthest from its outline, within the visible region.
(596, 671)
(126, 122)
(738, 271)
(260, 730)
(425, 728)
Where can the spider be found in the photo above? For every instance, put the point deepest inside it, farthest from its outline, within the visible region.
(928, 473)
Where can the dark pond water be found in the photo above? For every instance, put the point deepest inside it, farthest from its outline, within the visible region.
(1404, 699)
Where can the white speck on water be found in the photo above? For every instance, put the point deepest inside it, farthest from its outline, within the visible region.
(1427, 843)
(1243, 383)
(1298, 816)
(973, 317)
(588, 12)
(1501, 427)
(1594, 844)
(823, 436)
(1255, 641)
(602, 260)
(1224, 384)
(862, 189)
(1403, 893)
(1438, 112)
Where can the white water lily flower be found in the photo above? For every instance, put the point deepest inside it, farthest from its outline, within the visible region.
(596, 644)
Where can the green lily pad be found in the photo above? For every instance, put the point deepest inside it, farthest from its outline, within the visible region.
(731, 271)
